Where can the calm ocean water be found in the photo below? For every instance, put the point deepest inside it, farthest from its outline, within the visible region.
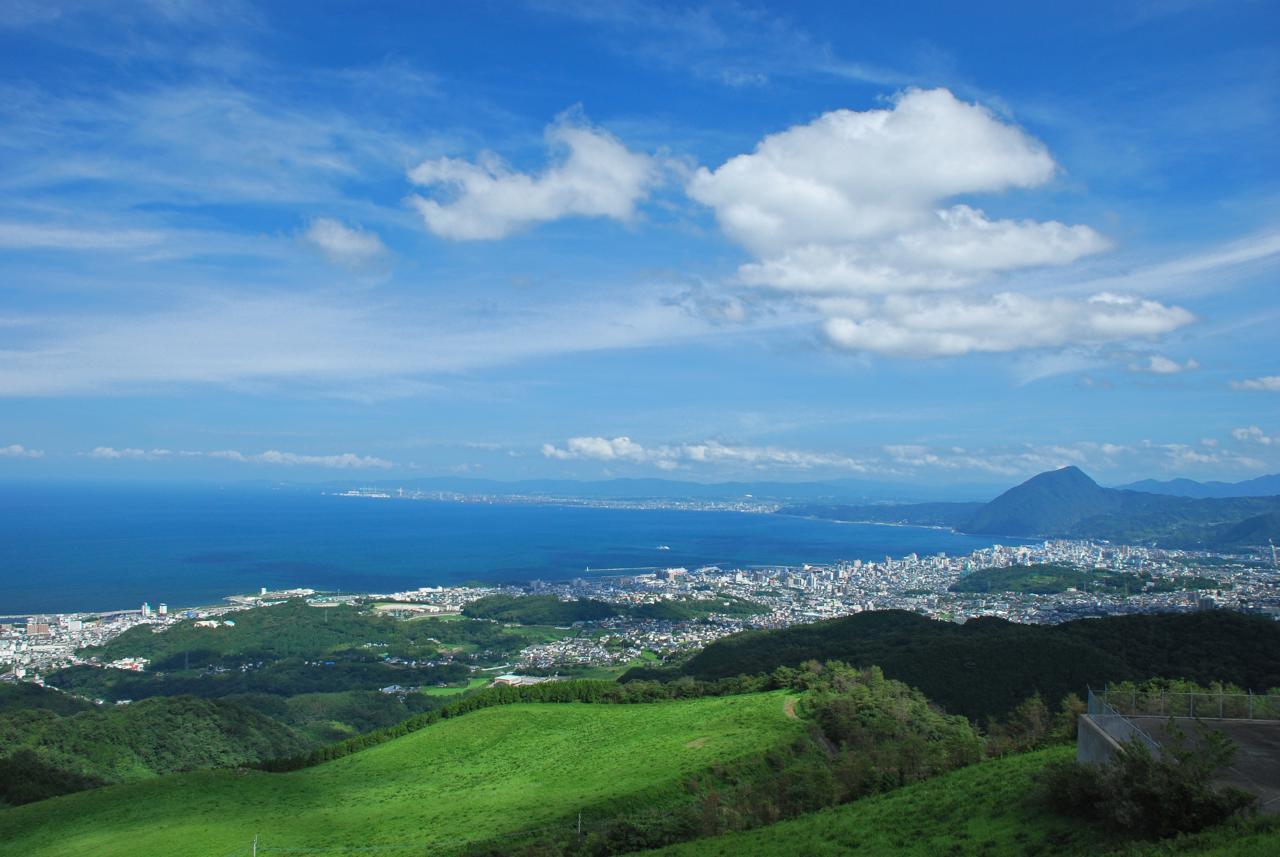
(94, 547)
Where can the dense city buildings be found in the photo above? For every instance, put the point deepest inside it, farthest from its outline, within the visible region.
(1108, 580)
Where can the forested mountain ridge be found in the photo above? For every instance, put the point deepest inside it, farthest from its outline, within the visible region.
(1260, 486)
(985, 667)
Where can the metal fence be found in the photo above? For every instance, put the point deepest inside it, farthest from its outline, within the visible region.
(1116, 724)
(1209, 705)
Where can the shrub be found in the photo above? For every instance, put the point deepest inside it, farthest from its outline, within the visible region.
(1149, 794)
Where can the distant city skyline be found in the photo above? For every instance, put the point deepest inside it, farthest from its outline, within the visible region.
(708, 242)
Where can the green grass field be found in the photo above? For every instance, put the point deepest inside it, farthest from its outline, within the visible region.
(495, 771)
(987, 809)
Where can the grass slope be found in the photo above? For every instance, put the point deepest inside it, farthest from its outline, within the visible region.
(491, 772)
(984, 809)
(981, 809)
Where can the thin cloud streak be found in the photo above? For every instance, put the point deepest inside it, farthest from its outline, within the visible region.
(226, 341)
(340, 461)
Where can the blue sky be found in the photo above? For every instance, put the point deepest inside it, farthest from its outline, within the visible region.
(945, 243)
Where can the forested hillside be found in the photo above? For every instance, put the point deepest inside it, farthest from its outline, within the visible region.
(48, 754)
(280, 681)
(985, 667)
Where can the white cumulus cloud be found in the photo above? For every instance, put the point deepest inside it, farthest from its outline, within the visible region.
(673, 456)
(599, 448)
(1253, 434)
(1270, 383)
(342, 461)
(855, 201)
(912, 326)
(17, 450)
(595, 176)
(131, 453)
(343, 245)
(1158, 364)
(855, 213)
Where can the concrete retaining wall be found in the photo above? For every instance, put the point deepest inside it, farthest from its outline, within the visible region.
(1093, 745)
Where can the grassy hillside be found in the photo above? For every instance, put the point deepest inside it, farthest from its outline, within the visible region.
(469, 778)
(988, 809)
(983, 809)
(279, 680)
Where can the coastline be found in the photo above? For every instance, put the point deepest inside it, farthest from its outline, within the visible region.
(94, 553)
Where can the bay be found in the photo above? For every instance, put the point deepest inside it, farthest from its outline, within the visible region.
(79, 547)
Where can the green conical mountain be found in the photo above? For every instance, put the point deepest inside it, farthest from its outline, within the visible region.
(1047, 504)
(1069, 504)
(1066, 503)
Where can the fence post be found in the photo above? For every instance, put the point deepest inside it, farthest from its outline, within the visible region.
(1220, 697)
(1251, 705)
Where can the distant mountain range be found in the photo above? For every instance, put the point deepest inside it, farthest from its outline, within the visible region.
(850, 491)
(1262, 486)
(1066, 503)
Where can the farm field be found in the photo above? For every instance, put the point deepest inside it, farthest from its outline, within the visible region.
(472, 684)
(495, 771)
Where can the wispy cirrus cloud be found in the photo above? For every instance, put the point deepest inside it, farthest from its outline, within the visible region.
(731, 44)
(44, 236)
(339, 461)
(344, 344)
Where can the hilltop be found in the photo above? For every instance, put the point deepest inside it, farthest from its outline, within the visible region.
(1068, 503)
(1051, 502)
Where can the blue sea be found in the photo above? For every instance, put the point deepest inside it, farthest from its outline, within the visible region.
(69, 547)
